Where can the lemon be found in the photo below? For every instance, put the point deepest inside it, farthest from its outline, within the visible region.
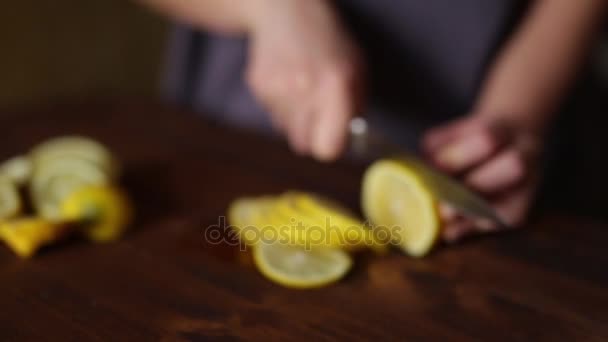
(248, 218)
(104, 212)
(324, 223)
(74, 147)
(394, 197)
(10, 202)
(296, 267)
(53, 181)
(26, 235)
(17, 169)
(298, 218)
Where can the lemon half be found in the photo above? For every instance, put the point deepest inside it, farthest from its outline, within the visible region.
(395, 198)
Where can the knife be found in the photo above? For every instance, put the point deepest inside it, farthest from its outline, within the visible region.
(367, 142)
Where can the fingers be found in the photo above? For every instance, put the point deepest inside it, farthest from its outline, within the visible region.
(493, 160)
(440, 136)
(299, 131)
(457, 229)
(331, 124)
(455, 226)
(513, 208)
(502, 172)
(467, 151)
(312, 112)
(462, 145)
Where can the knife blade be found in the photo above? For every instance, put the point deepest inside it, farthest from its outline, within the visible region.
(367, 142)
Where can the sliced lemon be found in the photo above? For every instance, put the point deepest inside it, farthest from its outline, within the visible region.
(10, 202)
(257, 220)
(17, 169)
(104, 212)
(395, 198)
(321, 223)
(281, 219)
(247, 217)
(74, 147)
(55, 180)
(344, 228)
(26, 235)
(296, 267)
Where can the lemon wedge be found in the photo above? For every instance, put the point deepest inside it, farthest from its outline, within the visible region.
(104, 212)
(10, 202)
(394, 197)
(296, 267)
(26, 235)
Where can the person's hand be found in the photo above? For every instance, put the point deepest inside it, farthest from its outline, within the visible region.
(307, 73)
(495, 159)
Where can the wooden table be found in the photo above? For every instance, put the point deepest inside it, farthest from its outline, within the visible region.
(163, 281)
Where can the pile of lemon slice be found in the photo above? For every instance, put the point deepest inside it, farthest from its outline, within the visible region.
(70, 182)
(301, 240)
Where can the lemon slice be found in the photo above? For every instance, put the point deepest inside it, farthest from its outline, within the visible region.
(352, 231)
(10, 203)
(320, 223)
(17, 169)
(74, 147)
(248, 218)
(296, 267)
(26, 235)
(55, 180)
(395, 198)
(103, 211)
(257, 220)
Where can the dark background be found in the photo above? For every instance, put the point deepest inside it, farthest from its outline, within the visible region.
(58, 50)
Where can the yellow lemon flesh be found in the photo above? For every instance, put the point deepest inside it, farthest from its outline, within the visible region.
(26, 235)
(103, 211)
(54, 181)
(246, 217)
(395, 198)
(327, 222)
(300, 219)
(276, 251)
(296, 267)
(10, 202)
(63, 165)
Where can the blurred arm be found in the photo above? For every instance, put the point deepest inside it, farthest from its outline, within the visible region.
(227, 16)
(537, 65)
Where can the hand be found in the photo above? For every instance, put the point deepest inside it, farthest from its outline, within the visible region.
(493, 158)
(307, 73)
